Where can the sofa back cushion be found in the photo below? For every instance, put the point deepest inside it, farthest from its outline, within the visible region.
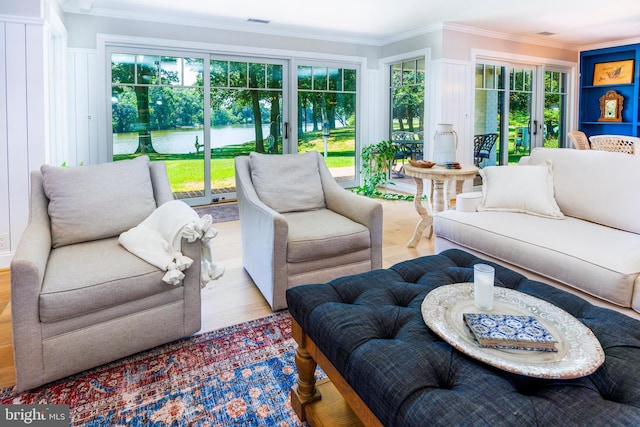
(288, 182)
(596, 186)
(97, 201)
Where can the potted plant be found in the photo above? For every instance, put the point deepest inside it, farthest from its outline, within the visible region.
(376, 164)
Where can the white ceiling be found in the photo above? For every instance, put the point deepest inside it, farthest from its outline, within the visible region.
(573, 22)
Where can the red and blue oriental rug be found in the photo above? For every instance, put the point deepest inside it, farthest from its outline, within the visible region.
(236, 376)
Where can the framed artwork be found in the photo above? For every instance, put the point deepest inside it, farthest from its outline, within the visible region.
(611, 107)
(609, 73)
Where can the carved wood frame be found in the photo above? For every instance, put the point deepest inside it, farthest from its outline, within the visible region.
(611, 107)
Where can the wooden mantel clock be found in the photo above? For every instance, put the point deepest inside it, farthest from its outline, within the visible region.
(611, 107)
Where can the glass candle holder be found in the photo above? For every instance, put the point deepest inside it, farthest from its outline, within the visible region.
(483, 276)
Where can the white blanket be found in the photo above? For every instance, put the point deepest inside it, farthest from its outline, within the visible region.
(158, 240)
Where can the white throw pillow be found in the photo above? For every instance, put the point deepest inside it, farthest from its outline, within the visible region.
(527, 189)
(287, 182)
(98, 201)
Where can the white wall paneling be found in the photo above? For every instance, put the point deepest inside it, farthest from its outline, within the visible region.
(450, 95)
(23, 140)
(451, 101)
(4, 141)
(83, 98)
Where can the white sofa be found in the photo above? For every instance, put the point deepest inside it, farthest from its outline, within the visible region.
(594, 248)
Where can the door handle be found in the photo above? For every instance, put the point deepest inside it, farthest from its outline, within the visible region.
(286, 130)
(535, 127)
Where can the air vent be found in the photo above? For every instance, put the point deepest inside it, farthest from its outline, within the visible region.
(258, 21)
(546, 33)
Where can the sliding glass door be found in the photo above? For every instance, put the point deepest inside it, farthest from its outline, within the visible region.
(196, 118)
(157, 109)
(247, 106)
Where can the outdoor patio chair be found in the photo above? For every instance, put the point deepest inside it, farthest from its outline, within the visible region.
(522, 139)
(482, 146)
(408, 147)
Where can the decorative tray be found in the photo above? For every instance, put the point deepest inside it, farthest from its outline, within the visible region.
(579, 351)
(421, 163)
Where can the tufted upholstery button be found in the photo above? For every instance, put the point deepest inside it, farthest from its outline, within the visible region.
(371, 329)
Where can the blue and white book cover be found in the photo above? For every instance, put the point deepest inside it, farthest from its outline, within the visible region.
(509, 331)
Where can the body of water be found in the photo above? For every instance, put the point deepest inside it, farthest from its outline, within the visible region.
(182, 141)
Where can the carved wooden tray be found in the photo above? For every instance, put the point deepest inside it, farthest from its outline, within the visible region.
(579, 351)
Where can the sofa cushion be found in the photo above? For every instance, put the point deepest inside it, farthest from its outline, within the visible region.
(79, 213)
(323, 233)
(594, 185)
(601, 261)
(115, 277)
(525, 189)
(288, 182)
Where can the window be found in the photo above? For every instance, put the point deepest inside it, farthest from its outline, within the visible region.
(555, 109)
(407, 96)
(327, 106)
(157, 109)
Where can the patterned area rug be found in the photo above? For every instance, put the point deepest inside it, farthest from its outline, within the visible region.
(236, 376)
(220, 212)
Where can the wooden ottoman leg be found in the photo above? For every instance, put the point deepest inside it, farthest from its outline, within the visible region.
(304, 392)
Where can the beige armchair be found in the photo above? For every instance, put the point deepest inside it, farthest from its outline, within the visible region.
(78, 298)
(300, 226)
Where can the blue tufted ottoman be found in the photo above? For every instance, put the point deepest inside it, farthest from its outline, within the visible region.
(367, 333)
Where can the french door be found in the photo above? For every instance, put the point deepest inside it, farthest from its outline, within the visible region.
(196, 112)
(525, 105)
(327, 116)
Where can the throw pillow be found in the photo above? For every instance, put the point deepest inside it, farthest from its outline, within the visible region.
(97, 201)
(287, 182)
(527, 189)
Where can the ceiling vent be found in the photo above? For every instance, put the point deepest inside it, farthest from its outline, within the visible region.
(258, 21)
(546, 33)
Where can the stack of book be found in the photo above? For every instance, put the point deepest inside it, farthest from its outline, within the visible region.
(509, 332)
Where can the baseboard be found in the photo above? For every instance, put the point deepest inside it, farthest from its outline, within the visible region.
(5, 259)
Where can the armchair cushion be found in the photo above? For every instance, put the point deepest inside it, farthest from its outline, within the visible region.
(71, 292)
(288, 182)
(323, 234)
(80, 213)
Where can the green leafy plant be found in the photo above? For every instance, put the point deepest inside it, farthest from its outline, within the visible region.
(376, 164)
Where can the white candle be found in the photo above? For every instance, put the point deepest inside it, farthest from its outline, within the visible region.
(483, 276)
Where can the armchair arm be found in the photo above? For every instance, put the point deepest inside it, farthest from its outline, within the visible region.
(191, 286)
(260, 256)
(160, 182)
(358, 208)
(28, 268)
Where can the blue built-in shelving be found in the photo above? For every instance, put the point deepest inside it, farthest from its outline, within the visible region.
(590, 94)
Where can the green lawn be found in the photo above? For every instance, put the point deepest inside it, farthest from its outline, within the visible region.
(186, 171)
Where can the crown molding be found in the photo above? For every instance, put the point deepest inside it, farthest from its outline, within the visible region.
(613, 43)
(229, 25)
(21, 20)
(413, 33)
(509, 37)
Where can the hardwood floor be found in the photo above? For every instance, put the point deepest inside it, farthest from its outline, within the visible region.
(234, 298)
